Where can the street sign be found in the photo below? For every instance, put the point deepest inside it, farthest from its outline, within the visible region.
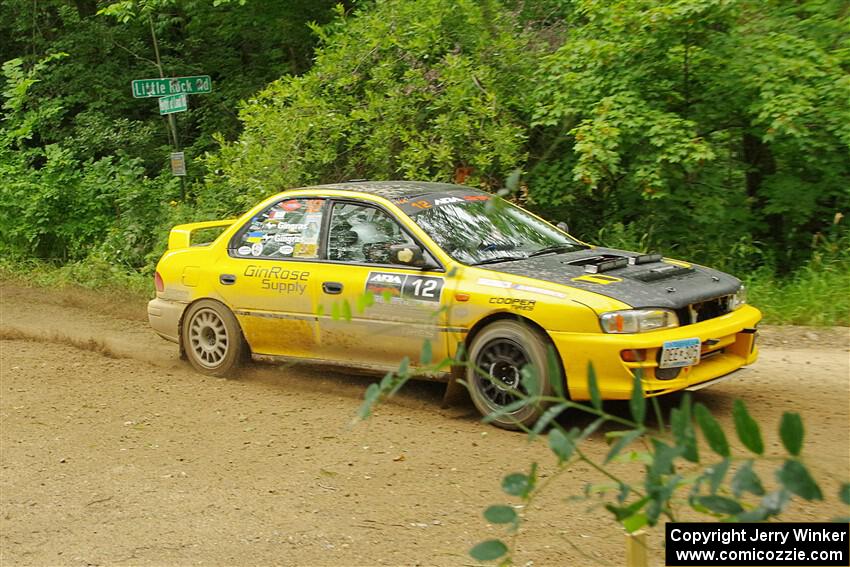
(146, 88)
(172, 103)
(178, 164)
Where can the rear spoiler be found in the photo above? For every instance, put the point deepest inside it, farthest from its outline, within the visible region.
(181, 235)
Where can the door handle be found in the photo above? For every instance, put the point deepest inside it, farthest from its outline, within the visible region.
(227, 279)
(332, 288)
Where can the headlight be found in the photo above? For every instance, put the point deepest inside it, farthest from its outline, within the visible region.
(738, 299)
(638, 320)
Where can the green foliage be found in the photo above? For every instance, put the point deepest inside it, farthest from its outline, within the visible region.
(747, 428)
(701, 123)
(399, 89)
(708, 130)
(815, 294)
(705, 485)
(791, 432)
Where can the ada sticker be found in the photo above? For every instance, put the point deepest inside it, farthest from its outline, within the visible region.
(256, 249)
(422, 288)
(381, 283)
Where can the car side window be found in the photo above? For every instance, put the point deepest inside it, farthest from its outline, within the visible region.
(288, 229)
(363, 234)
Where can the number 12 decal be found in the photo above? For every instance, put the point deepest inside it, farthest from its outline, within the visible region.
(423, 288)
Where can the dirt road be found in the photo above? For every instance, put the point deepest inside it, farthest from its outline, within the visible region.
(113, 452)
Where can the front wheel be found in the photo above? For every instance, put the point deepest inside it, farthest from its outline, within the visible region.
(497, 356)
(212, 338)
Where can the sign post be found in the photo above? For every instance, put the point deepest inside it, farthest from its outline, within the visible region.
(171, 93)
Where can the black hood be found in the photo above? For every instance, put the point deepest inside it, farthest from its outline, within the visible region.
(646, 282)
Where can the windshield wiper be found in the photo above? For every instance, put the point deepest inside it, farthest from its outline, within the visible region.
(498, 259)
(556, 249)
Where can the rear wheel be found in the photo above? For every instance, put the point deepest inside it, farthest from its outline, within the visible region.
(497, 356)
(212, 338)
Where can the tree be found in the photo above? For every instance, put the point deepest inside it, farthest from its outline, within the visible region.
(731, 117)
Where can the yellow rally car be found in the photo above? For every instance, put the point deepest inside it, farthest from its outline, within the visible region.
(409, 261)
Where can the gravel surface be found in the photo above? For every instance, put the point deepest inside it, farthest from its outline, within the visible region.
(113, 452)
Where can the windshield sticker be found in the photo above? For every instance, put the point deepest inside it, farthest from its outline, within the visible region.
(287, 238)
(312, 222)
(256, 249)
(403, 286)
(244, 250)
(291, 227)
(303, 250)
(290, 206)
(419, 203)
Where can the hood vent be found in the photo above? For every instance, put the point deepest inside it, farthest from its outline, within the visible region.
(600, 263)
(661, 273)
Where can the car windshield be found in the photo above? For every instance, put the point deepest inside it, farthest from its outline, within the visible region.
(488, 230)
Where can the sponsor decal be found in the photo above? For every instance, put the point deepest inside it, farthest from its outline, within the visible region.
(286, 249)
(515, 303)
(286, 238)
(244, 250)
(256, 249)
(255, 236)
(314, 205)
(446, 201)
(281, 280)
(291, 227)
(540, 290)
(302, 250)
(520, 287)
(277, 214)
(421, 204)
(290, 205)
(494, 283)
(421, 288)
(425, 202)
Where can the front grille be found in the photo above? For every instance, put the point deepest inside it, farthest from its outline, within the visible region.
(704, 310)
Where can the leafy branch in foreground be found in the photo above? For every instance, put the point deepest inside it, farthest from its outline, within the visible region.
(722, 485)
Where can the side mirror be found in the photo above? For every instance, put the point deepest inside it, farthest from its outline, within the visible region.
(410, 255)
(563, 226)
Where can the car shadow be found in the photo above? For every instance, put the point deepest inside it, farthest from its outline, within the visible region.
(428, 395)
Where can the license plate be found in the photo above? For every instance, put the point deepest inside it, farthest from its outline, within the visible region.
(675, 354)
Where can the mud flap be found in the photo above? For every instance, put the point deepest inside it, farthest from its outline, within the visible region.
(455, 390)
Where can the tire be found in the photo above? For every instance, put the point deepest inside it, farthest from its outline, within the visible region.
(212, 339)
(501, 349)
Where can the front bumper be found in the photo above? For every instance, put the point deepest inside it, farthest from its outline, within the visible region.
(728, 343)
(164, 316)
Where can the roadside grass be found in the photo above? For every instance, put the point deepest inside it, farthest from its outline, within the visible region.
(817, 294)
(92, 274)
